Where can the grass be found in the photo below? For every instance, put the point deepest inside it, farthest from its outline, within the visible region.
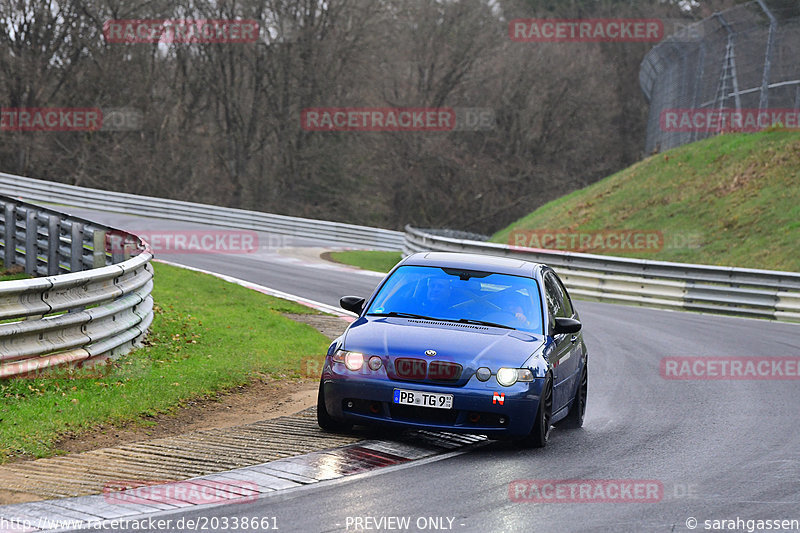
(368, 259)
(729, 200)
(12, 273)
(207, 336)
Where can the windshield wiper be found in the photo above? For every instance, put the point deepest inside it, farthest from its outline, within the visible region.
(459, 320)
(402, 315)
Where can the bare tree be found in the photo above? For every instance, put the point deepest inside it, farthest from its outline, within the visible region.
(221, 121)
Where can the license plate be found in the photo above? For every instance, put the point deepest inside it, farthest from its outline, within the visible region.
(423, 399)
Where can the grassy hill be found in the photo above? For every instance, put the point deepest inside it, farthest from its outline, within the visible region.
(730, 200)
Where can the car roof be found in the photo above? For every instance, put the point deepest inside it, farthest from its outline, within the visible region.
(479, 262)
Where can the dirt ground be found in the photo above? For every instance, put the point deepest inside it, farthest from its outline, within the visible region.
(260, 400)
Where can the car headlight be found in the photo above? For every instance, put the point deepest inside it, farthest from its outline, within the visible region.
(352, 360)
(508, 376)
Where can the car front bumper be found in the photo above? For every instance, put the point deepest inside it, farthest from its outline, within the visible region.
(478, 407)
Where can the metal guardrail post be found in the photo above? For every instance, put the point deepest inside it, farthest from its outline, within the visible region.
(99, 252)
(53, 242)
(31, 233)
(117, 244)
(76, 247)
(10, 235)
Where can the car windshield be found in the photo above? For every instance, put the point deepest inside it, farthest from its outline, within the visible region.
(458, 295)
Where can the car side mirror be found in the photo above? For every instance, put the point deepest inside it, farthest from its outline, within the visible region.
(566, 325)
(354, 304)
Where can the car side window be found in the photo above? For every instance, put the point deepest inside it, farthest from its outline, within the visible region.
(569, 312)
(553, 300)
(561, 304)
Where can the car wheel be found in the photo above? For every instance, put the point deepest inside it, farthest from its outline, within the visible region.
(540, 431)
(324, 419)
(574, 418)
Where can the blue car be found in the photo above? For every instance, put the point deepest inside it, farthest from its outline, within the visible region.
(463, 343)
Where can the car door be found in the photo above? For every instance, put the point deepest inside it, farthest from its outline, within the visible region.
(561, 352)
(569, 366)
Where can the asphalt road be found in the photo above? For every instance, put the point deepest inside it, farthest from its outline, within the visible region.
(269, 265)
(717, 449)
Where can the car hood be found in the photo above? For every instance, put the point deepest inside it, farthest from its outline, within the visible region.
(470, 345)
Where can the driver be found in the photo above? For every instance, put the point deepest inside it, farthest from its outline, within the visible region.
(437, 296)
(515, 303)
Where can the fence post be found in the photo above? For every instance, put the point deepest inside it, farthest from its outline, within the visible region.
(698, 89)
(729, 68)
(10, 237)
(31, 234)
(76, 247)
(117, 243)
(99, 253)
(53, 242)
(763, 102)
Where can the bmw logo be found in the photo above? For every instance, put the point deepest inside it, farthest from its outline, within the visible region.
(430, 353)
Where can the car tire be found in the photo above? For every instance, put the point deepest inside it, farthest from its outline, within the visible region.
(325, 420)
(540, 431)
(574, 418)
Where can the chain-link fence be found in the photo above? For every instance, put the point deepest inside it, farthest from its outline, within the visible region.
(737, 63)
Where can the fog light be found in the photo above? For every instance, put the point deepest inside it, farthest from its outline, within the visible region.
(375, 408)
(483, 374)
(375, 362)
(474, 417)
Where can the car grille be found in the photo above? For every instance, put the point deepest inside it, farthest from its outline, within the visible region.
(413, 369)
(419, 370)
(444, 371)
